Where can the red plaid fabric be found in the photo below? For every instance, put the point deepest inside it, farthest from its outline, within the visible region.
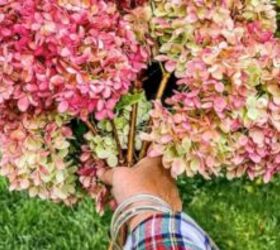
(169, 232)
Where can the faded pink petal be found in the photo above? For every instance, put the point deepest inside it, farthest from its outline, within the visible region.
(101, 115)
(178, 167)
(255, 158)
(267, 177)
(23, 104)
(155, 151)
(170, 66)
(257, 136)
(219, 87)
(219, 104)
(63, 107)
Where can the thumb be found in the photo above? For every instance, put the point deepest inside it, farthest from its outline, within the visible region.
(106, 176)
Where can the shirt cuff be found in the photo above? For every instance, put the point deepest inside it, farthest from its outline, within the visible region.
(169, 231)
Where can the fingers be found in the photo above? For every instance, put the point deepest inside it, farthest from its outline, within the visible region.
(149, 163)
(106, 176)
(153, 166)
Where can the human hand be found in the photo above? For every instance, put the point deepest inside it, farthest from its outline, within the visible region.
(149, 177)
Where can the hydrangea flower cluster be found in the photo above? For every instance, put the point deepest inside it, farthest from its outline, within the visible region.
(79, 55)
(224, 117)
(58, 58)
(36, 156)
(184, 28)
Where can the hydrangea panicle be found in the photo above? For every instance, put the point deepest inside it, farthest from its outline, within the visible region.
(224, 118)
(35, 156)
(73, 54)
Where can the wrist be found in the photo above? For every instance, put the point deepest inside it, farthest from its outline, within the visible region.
(136, 209)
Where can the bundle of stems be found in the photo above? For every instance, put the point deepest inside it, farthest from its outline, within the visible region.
(131, 157)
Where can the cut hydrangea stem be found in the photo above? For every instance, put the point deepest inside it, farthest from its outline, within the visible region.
(131, 135)
(161, 89)
(162, 85)
(91, 127)
(116, 137)
(132, 127)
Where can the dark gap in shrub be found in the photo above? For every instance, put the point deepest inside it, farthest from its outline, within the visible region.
(151, 83)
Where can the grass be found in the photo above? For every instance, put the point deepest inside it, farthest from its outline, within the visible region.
(238, 215)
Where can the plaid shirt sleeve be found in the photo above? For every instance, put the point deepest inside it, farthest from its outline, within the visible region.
(169, 232)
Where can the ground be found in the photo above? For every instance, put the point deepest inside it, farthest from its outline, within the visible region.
(239, 215)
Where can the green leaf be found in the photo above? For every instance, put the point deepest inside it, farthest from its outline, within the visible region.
(129, 100)
(120, 122)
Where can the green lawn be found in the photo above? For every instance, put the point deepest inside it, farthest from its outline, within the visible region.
(238, 215)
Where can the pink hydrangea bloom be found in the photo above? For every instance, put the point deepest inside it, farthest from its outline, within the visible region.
(224, 118)
(70, 54)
